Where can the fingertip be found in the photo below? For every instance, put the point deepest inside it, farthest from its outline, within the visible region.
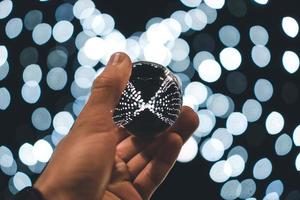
(187, 123)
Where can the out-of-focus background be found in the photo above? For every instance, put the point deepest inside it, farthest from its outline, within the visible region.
(237, 61)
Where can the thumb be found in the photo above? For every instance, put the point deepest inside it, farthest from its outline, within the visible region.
(107, 89)
(109, 85)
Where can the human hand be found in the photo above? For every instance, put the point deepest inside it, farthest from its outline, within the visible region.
(98, 160)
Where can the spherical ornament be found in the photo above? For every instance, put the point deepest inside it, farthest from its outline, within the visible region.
(151, 101)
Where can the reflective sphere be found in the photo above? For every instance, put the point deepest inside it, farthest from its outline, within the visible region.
(151, 102)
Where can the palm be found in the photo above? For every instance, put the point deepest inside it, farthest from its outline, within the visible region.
(142, 164)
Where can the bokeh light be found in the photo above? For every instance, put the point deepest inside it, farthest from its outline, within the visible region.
(13, 27)
(262, 169)
(290, 26)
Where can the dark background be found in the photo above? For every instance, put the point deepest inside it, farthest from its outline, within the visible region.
(190, 180)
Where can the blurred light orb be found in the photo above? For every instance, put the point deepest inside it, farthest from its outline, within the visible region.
(220, 171)
(209, 71)
(229, 36)
(84, 60)
(6, 7)
(32, 72)
(29, 55)
(191, 3)
(275, 186)
(271, 196)
(290, 61)
(262, 169)
(115, 42)
(98, 24)
(32, 19)
(191, 101)
(154, 20)
(290, 26)
(248, 188)
(3, 54)
(83, 8)
(199, 19)
(283, 145)
(197, 90)
(62, 122)
(236, 123)
(11, 170)
(238, 150)
(210, 13)
(26, 154)
(109, 24)
(84, 76)
(78, 92)
(259, 35)
(208, 120)
(6, 157)
(237, 165)
(64, 12)
(57, 78)
(4, 69)
(212, 149)
(223, 136)
(41, 119)
(230, 58)
(5, 98)
(263, 2)
(274, 123)
(42, 150)
(31, 92)
(37, 168)
(77, 106)
(133, 49)
(63, 31)
(218, 104)
(13, 28)
(297, 162)
(57, 58)
(261, 55)
(180, 66)
(158, 53)
(263, 90)
(80, 39)
(231, 190)
(180, 50)
(21, 181)
(56, 137)
(296, 136)
(216, 4)
(41, 33)
(158, 33)
(252, 109)
(188, 151)
(200, 57)
(94, 48)
(183, 18)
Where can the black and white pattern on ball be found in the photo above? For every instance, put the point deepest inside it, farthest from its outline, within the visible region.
(152, 97)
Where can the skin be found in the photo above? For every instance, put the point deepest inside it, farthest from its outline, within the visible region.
(98, 160)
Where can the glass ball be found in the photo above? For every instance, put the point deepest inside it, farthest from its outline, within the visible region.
(151, 101)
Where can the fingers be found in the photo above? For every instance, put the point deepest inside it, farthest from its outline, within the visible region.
(163, 160)
(186, 123)
(156, 170)
(131, 146)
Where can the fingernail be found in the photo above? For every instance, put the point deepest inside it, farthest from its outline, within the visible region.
(116, 58)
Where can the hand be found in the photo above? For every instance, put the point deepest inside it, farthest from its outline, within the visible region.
(97, 160)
